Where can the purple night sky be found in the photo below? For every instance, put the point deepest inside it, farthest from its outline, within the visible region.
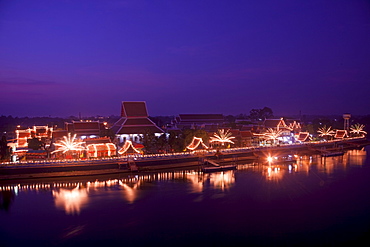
(62, 58)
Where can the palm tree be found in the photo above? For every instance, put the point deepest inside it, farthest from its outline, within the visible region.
(358, 130)
(272, 134)
(222, 137)
(325, 131)
(69, 144)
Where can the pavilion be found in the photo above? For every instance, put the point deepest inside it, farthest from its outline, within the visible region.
(134, 122)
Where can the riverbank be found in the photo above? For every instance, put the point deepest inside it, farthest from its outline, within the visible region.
(37, 170)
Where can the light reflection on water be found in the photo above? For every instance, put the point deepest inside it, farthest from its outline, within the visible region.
(72, 197)
(72, 201)
(248, 191)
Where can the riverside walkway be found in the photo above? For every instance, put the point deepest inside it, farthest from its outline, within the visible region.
(152, 162)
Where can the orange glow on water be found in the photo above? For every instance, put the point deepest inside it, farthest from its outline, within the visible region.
(222, 180)
(71, 201)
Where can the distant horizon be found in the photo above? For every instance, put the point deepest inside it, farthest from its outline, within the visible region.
(65, 57)
(150, 115)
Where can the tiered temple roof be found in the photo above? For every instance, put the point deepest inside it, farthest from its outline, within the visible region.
(134, 119)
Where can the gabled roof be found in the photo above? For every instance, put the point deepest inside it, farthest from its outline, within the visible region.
(293, 124)
(341, 134)
(302, 136)
(84, 127)
(197, 143)
(245, 134)
(97, 140)
(274, 123)
(234, 132)
(134, 120)
(101, 147)
(271, 123)
(134, 109)
(59, 133)
(139, 129)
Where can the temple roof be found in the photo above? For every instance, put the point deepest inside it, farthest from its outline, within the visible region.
(134, 120)
(134, 109)
(341, 134)
(245, 134)
(274, 123)
(84, 127)
(138, 129)
(59, 133)
(302, 136)
(97, 140)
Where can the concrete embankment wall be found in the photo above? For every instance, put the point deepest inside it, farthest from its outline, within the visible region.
(160, 163)
(56, 168)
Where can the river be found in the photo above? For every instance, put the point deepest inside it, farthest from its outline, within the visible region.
(314, 201)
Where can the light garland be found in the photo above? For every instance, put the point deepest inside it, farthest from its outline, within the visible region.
(324, 131)
(222, 137)
(126, 146)
(358, 129)
(93, 148)
(294, 125)
(195, 143)
(69, 144)
(272, 134)
(341, 134)
(302, 136)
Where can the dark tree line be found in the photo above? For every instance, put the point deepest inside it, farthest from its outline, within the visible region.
(4, 149)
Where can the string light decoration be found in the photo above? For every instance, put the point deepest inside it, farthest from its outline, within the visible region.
(294, 125)
(126, 147)
(69, 144)
(100, 148)
(324, 131)
(303, 136)
(195, 143)
(222, 137)
(273, 134)
(358, 129)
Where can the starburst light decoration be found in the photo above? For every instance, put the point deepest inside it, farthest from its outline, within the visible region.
(326, 131)
(222, 137)
(358, 129)
(69, 144)
(273, 134)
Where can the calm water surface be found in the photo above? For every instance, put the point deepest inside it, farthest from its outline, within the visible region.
(314, 202)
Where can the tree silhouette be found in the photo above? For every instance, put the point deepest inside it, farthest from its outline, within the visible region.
(261, 114)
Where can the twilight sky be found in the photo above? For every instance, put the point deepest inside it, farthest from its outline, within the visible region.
(66, 57)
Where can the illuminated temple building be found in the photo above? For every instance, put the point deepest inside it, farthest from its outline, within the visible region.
(134, 122)
(85, 129)
(290, 129)
(100, 147)
(207, 122)
(40, 132)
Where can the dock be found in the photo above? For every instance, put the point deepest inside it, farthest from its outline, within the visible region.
(214, 167)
